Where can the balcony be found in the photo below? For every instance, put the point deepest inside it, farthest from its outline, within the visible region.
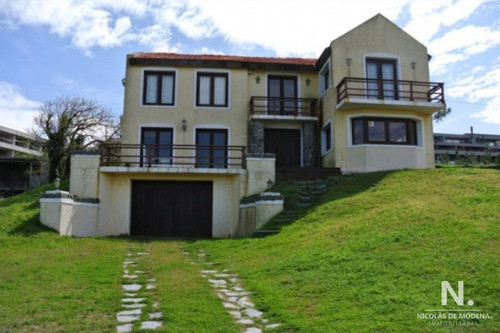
(173, 158)
(283, 108)
(426, 97)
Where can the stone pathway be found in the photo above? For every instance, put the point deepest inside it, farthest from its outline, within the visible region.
(140, 308)
(234, 297)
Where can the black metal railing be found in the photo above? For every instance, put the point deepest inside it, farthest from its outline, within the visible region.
(400, 90)
(214, 156)
(279, 106)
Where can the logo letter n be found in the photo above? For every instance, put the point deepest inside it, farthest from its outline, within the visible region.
(446, 287)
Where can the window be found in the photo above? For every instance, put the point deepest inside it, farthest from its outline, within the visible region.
(326, 138)
(282, 94)
(159, 88)
(324, 79)
(211, 150)
(383, 75)
(384, 131)
(156, 146)
(212, 89)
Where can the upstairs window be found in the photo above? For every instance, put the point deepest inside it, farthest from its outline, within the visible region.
(384, 131)
(212, 89)
(324, 79)
(383, 75)
(159, 88)
(326, 138)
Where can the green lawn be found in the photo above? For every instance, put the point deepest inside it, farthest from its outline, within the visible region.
(373, 254)
(368, 258)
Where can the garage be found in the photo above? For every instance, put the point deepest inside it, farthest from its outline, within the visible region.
(171, 208)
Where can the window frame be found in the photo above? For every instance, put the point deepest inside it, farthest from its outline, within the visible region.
(159, 74)
(212, 75)
(326, 138)
(410, 128)
(325, 82)
(157, 156)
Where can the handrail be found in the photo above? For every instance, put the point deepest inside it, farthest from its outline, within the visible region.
(283, 106)
(198, 156)
(402, 90)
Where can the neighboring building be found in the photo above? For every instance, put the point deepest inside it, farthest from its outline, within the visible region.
(18, 165)
(450, 147)
(198, 130)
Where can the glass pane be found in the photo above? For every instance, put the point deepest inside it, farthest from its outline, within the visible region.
(358, 131)
(202, 153)
(204, 93)
(289, 92)
(151, 86)
(165, 150)
(397, 132)
(274, 91)
(167, 91)
(372, 87)
(389, 87)
(376, 130)
(220, 91)
(149, 137)
(219, 139)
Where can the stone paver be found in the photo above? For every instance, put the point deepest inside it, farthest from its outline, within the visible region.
(235, 299)
(137, 294)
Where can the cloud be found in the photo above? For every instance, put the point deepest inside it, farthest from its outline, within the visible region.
(16, 110)
(480, 85)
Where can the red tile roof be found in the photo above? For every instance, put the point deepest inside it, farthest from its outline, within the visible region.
(231, 58)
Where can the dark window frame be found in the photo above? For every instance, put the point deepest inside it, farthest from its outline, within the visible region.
(213, 148)
(410, 126)
(212, 76)
(379, 62)
(156, 155)
(327, 129)
(283, 107)
(159, 86)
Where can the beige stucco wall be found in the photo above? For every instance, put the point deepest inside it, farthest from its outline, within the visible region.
(378, 38)
(115, 189)
(234, 118)
(259, 171)
(364, 158)
(304, 90)
(84, 175)
(69, 218)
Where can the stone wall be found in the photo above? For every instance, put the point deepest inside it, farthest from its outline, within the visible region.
(256, 137)
(310, 144)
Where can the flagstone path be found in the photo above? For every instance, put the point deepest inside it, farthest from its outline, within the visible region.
(234, 297)
(140, 308)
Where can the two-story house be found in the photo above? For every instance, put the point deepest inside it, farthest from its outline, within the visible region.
(202, 132)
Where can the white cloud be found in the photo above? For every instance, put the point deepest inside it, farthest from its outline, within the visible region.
(16, 110)
(480, 86)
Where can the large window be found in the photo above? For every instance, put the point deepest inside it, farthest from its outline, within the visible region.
(211, 150)
(212, 89)
(159, 88)
(324, 79)
(282, 93)
(384, 131)
(384, 78)
(156, 146)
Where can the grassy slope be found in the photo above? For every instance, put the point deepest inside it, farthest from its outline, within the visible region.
(374, 253)
(50, 283)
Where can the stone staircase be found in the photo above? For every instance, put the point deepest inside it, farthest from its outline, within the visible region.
(304, 195)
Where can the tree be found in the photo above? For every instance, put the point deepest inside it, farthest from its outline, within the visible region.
(441, 114)
(68, 124)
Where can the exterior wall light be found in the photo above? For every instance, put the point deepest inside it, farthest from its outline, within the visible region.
(413, 65)
(269, 184)
(57, 181)
(124, 80)
(257, 79)
(348, 61)
(184, 124)
(308, 82)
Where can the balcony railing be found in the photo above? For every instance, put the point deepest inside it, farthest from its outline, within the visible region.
(278, 106)
(399, 90)
(164, 156)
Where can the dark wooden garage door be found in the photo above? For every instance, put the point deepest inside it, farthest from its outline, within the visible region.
(285, 144)
(171, 208)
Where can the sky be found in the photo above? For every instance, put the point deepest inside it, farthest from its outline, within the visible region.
(54, 48)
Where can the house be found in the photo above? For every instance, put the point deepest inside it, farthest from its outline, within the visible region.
(203, 133)
(449, 148)
(18, 162)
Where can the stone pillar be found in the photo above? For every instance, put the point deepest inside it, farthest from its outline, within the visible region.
(256, 137)
(310, 144)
